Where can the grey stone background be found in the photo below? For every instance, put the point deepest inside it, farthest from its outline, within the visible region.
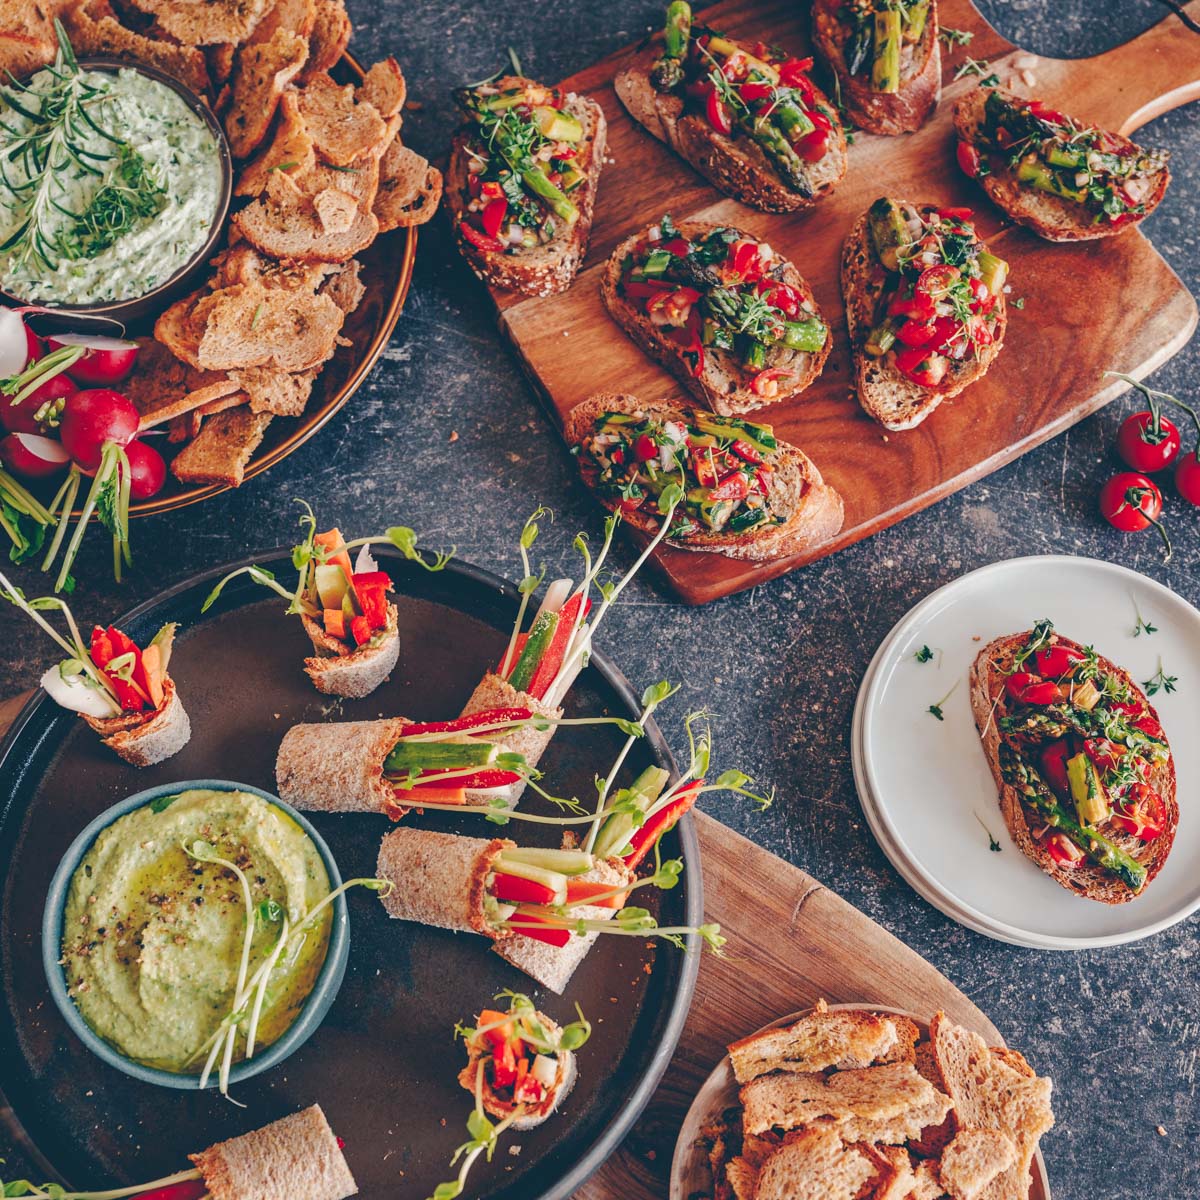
(1119, 1029)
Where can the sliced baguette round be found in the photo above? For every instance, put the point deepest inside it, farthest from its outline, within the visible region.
(735, 165)
(989, 703)
(534, 1114)
(143, 740)
(895, 402)
(440, 878)
(724, 384)
(548, 269)
(812, 511)
(1054, 218)
(887, 113)
(337, 671)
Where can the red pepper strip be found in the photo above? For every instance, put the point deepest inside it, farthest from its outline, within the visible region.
(504, 670)
(552, 936)
(360, 630)
(645, 838)
(956, 214)
(504, 1066)
(429, 795)
(478, 779)
(968, 159)
(493, 216)
(488, 716)
(373, 602)
(717, 113)
(110, 644)
(190, 1189)
(480, 240)
(372, 579)
(750, 92)
(521, 891)
(582, 889)
(552, 659)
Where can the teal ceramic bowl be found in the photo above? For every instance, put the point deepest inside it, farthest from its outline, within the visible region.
(324, 991)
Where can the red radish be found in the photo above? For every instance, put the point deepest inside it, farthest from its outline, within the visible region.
(94, 417)
(32, 456)
(18, 344)
(105, 361)
(147, 470)
(22, 417)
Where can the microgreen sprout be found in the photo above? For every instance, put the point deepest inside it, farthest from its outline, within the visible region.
(935, 710)
(1142, 626)
(55, 1191)
(1160, 681)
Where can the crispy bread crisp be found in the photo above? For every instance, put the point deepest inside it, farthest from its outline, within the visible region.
(203, 24)
(291, 150)
(343, 126)
(262, 72)
(815, 1163)
(330, 37)
(409, 188)
(222, 449)
(973, 1159)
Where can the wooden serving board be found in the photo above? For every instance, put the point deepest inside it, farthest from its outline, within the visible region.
(1090, 307)
(791, 942)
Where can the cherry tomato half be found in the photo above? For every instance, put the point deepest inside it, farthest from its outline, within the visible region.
(1105, 754)
(1057, 661)
(968, 159)
(922, 367)
(717, 113)
(1141, 813)
(1187, 477)
(1027, 688)
(1062, 850)
(1146, 445)
(1054, 766)
(1131, 502)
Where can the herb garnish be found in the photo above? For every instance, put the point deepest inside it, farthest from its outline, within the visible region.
(1018, 303)
(993, 845)
(935, 710)
(972, 66)
(923, 655)
(956, 37)
(1159, 681)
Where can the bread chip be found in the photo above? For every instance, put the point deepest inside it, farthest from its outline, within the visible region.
(179, 329)
(342, 129)
(383, 88)
(198, 399)
(409, 188)
(244, 264)
(815, 1165)
(291, 150)
(220, 58)
(330, 37)
(973, 1159)
(222, 449)
(94, 31)
(271, 390)
(295, 16)
(205, 22)
(248, 325)
(263, 71)
(345, 288)
(336, 210)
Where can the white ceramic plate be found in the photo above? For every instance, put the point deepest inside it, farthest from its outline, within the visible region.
(925, 786)
(690, 1171)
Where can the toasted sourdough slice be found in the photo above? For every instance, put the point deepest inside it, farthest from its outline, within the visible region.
(811, 511)
(895, 402)
(1054, 218)
(735, 165)
(724, 383)
(549, 268)
(881, 112)
(989, 703)
(143, 740)
(339, 671)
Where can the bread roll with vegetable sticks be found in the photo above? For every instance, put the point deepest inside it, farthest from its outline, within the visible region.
(339, 671)
(142, 743)
(337, 767)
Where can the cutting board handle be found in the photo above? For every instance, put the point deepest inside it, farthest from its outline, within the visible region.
(1153, 73)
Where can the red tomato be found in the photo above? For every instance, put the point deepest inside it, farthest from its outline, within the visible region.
(1032, 689)
(1145, 445)
(679, 247)
(1044, 112)
(770, 383)
(916, 333)
(794, 73)
(717, 113)
(1057, 661)
(979, 291)
(968, 159)
(1138, 719)
(1141, 813)
(645, 448)
(750, 92)
(1105, 754)
(812, 146)
(1187, 477)
(480, 240)
(920, 308)
(783, 297)
(1054, 766)
(1062, 850)
(1132, 502)
(745, 261)
(934, 282)
(922, 367)
(735, 487)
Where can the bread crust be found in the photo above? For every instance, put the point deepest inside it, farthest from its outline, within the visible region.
(1053, 218)
(545, 270)
(895, 402)
(1089, 880)
(736, 397)
(337, 671)
(143, 739)
(734, 165)
(814, 510)
(884, 113)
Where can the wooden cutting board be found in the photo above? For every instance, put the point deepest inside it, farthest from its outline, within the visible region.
(791, 942)
(1113, 304)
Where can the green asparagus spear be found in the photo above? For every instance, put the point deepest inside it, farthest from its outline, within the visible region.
(1038, 175)
(1034, 791)
(885, 70)
(667, 72)
(914, 22)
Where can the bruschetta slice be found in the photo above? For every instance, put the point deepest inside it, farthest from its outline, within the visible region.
(925, 306)
(521, 182)
(747, 495)
(734, 322)
(1085, 772)
(886, 60)
(748, 118)
(1065, 180)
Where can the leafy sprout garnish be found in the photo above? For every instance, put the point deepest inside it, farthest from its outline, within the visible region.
(55, 1191)
(1160, 681)
(935, 710)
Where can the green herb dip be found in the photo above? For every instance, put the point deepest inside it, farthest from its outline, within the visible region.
(163, 149)
(152, 938)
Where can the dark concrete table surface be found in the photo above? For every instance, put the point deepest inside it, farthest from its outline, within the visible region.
(1118, 1029)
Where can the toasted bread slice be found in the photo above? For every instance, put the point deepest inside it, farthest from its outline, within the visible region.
(724, 383)
(894, 401)
(410, 188)
(550, 267)
(143, 739)
(815, 1164)
(1054, 218)
(973, 1159)
(810, 512)
(330, 36)
(337, 670)
(734, 164)
(887, 113)
(263, 71)
(990, 703)
(216, 21)
(222, 450)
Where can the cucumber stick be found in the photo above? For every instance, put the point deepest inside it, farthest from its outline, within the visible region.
(440, 756)
(618, 829)
(565, 862)
(540, 637)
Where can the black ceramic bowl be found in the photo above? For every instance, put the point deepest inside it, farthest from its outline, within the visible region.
(137, 309)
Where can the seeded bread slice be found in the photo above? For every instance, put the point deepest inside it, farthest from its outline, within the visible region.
(222, 449)
(297, 1157)
(735, 164)
(339, 671)
(1054, 218)
(145, 739)
(894, 401)
(989, 704)
(550, 268)
(882, 112)
(724, 383)
(811, 511)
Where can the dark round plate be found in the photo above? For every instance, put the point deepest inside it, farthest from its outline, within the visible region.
(383, 1064)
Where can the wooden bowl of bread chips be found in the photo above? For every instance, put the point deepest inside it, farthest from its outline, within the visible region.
(898, 1071)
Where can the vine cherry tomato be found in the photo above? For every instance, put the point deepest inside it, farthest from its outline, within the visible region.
(1141, 813)
(1147, 444)
(1130, 502)
(1187, 477)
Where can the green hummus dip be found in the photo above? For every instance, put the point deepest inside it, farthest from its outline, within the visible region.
(123, 213)
(152, 938)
